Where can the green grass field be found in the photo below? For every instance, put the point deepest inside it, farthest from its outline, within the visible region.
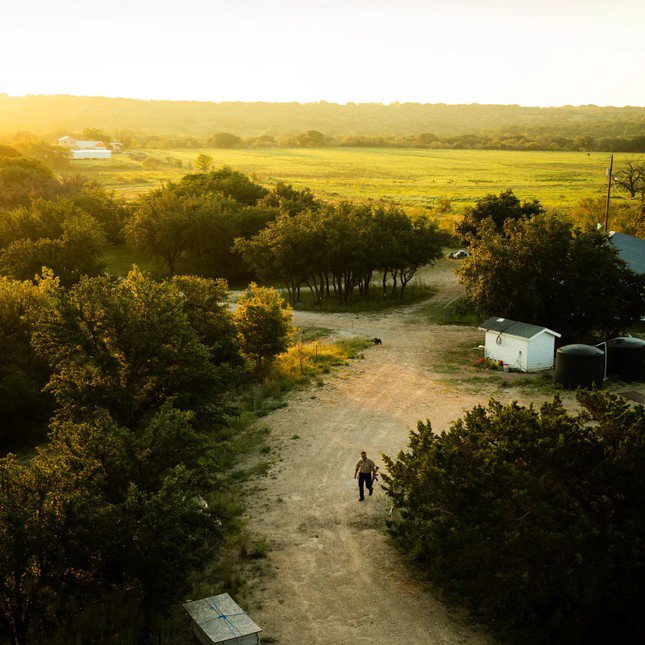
(413, 178)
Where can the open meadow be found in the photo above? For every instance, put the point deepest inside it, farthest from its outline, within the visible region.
(411, 177)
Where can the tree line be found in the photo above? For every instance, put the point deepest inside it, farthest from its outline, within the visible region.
(336, 250)
(222, 222)
(127, 498)
(213, 223)
(68, 115)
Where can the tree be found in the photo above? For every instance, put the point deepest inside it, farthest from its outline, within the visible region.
(205, 302)
(288, 199)
(58, 235)
(311, 139)
(165, 224)
(263, 320)
(421, 246)
(339, 247)
(22, 179)
(33, 531)
(105, 509)
(224, 140)
(290, 249)
(498, 208)
(8, 151)
(226, 181)
(542, 271)
(533, 517)
(195, 228)
(631, 178)
(146, 528)
(203, 162)
(76, 253)
(108, 210)
(53, 156)
(96, 134)
(23, 406)
(124, 347)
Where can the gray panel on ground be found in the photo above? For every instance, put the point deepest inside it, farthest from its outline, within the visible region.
(633, 395)
(219, 619)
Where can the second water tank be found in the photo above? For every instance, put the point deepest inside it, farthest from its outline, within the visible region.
(626, 358)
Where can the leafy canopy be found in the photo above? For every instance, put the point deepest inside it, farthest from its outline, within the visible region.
(542, 271)
(534, 517)
(263, 320)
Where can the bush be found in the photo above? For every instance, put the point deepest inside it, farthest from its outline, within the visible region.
(534, 518)
(263, 321)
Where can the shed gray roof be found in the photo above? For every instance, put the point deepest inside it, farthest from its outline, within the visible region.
(513, 328)
(220, 618)
(630, 249)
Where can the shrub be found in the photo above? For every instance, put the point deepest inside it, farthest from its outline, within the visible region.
(535, 518)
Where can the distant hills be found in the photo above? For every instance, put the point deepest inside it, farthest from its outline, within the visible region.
(62, 114)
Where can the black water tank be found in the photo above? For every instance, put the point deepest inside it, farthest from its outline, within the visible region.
(626, 358)
(579, 366)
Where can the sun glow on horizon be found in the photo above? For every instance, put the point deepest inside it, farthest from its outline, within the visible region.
(541, 53)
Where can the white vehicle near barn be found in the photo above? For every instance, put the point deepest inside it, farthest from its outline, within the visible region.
(524, 347)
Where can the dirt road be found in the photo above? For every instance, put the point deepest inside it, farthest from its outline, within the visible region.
(337, 579)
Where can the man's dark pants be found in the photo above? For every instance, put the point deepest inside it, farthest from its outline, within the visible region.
(364, 479)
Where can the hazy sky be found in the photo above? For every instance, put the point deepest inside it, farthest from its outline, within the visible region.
(532, 52)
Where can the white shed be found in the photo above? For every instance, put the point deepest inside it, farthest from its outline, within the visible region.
(219, 619)
(519, 345)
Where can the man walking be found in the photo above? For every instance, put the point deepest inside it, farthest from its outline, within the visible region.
(365, 468)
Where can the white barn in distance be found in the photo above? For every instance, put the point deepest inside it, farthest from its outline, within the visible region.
(85, 149)
(521, 346)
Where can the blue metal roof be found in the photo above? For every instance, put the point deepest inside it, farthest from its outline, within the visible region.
(630, 249)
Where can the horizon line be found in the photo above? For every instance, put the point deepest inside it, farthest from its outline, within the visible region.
(318, 102)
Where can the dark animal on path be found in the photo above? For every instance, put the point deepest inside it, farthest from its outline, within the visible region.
(377, 341)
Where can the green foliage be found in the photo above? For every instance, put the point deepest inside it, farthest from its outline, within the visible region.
(96, 134)
(202, 162)
(498, 209)
(8, 151)
(205, 303)
(311, 139)
(34, 512)
(535, 518)
(115, 504)
(22, 178)
(168, 225)
(22, 373)
(263, 321)
(195, 229)
(288, 199)
(109, 211)
(226, 181)
(58, 235)
(124, 347)
(338, 248)
(542, 271)
(224, 140)
(188, 124)
(104, 509)
(53, 156)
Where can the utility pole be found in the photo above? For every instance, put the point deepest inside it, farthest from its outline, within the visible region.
(610, 172)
